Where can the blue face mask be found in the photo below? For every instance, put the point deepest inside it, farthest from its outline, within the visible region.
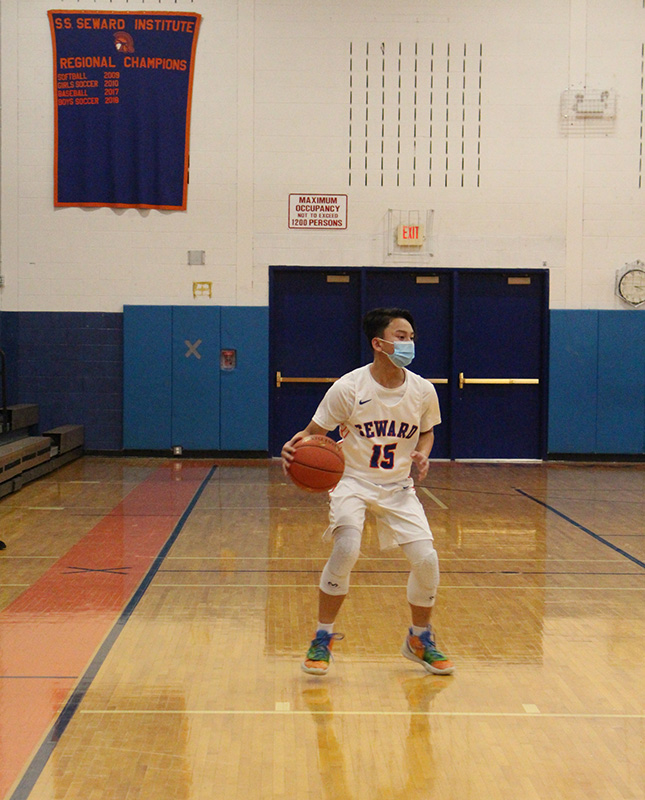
(403, 353)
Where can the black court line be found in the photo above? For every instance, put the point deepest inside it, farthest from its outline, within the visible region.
(106, 570)
(379, 572)
(501, 493)
(582, 528)
(385, 572)
(40, 759)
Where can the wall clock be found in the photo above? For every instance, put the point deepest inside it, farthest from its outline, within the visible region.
(630, 283)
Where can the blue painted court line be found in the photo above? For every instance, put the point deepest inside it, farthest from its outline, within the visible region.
(589, 532)
(40, 759)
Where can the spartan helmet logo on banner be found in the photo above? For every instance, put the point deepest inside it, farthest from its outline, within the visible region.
(123, 42)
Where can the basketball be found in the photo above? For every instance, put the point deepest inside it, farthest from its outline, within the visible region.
(317, 465)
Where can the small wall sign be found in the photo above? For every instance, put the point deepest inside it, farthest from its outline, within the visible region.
(320, 212)
(410, 235)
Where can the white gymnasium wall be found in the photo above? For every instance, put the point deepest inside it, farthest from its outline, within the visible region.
(272, 116)
(613, 201)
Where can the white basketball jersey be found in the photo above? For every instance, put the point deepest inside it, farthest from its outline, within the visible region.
(380, 427)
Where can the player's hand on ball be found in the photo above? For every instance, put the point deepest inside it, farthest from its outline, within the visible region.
(420, 460)
(288, 450)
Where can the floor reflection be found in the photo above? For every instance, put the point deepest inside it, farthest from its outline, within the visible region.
(338, 779)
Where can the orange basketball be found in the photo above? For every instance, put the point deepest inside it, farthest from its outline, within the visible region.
(318, 464)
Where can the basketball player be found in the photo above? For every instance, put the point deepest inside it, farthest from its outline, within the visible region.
(386, 416)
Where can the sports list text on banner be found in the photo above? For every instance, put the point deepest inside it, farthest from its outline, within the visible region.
(122, 96)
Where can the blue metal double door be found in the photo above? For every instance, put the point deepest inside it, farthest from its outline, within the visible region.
(482, 339)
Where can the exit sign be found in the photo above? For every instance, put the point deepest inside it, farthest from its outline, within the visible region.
(410, 235)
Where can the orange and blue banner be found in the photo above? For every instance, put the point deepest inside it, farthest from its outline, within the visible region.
(122, 98)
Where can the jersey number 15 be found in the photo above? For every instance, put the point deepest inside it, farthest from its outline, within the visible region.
(383, 456)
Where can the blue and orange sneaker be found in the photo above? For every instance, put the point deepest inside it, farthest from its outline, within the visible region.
(423, 650)
(317, 659)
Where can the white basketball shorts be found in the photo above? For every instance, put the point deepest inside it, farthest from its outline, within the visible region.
(400, 517)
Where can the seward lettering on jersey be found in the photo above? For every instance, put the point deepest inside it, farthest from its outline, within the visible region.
(386, 427)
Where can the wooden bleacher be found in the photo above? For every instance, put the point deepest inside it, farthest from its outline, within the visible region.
(25, 456)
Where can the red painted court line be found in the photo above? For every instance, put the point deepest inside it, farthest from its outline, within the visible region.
(49, 634)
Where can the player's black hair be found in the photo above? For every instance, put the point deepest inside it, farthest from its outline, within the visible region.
(376, 321)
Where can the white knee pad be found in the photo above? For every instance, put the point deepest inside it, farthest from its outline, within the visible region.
(424, 576)
(347, 546)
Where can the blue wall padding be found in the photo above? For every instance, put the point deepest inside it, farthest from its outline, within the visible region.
(176, 394)
(597, 382)
(244, 391)
(621, 382)
(573, 379)
(147, 377)
(195, 377)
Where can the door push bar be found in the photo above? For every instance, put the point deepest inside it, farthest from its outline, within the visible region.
(498, 381)
(279, 380)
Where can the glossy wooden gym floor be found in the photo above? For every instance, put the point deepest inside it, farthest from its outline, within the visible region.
(153, 616)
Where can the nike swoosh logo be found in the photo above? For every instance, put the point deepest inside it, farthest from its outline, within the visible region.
(362, 402)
